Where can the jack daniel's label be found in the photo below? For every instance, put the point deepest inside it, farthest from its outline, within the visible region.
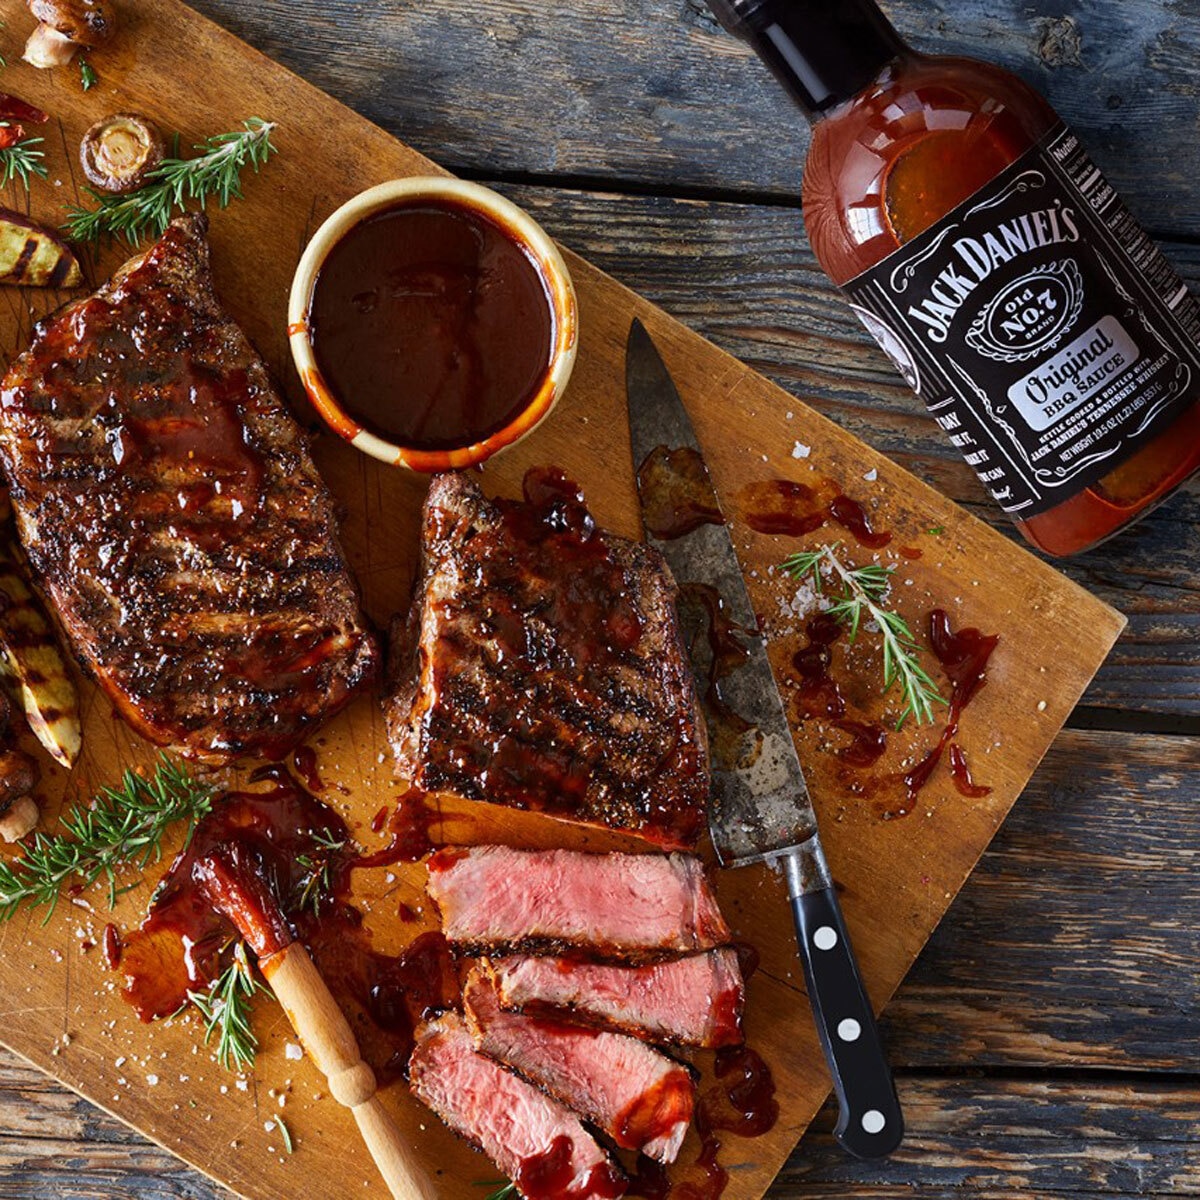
(1043, 329)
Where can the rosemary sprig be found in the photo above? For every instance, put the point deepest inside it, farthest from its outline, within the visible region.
(864, 591)
(318, 880)
(225, 1010)
(87, 75)
(216, 171)
(123, 825)
(22, 160)
(504, 1192)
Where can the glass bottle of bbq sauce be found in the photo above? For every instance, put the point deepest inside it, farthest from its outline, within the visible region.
(994, 264)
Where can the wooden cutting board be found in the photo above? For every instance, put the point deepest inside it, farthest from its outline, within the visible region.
(59, 1005)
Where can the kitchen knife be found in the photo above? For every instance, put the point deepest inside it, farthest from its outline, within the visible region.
(760, 809)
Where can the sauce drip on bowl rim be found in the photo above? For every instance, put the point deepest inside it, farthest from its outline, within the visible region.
(432, 324)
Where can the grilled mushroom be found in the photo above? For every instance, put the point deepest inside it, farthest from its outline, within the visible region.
(64, 26)
(118, 152)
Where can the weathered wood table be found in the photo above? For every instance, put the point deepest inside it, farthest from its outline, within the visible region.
(1045, 1041)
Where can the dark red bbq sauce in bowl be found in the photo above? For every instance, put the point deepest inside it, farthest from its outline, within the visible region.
(433, 323)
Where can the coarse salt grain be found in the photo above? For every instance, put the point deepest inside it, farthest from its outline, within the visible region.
(800, 450)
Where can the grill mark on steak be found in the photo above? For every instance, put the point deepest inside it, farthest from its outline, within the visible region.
(172, 512)
(541, 666)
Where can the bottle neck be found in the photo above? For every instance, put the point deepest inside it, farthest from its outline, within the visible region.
(824, 52)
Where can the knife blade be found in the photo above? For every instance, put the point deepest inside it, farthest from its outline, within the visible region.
(760, 809)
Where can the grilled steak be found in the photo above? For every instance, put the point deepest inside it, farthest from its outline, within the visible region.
(172, 512)
(541, 666)
(624, 906)
(641, 1098)
(534, 1140)
(694, 1001)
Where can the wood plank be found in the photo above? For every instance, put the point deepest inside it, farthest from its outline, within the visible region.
(654, 92)
(898, 875)
(742, 276)
(998, 1139)
(1075, 943)
(1018, 1140)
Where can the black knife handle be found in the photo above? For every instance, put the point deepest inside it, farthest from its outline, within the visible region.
(870, 1123)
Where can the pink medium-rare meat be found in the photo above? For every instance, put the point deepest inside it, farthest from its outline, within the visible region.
(542, 667)
(693, 1001)
(631, 907)
(637, 1095)
(533, 1139)
(173, 514)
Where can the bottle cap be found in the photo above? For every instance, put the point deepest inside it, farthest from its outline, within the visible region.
(823, 51)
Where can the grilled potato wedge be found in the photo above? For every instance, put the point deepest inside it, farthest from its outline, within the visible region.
(32, 665)
(31, 255)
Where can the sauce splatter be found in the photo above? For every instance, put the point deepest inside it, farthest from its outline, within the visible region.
(676, 492)
(784, 507)
(734, 742)
(964, 657)
(960, 772)
(111, 943)
(742, 1102)
(551, 1176)
(409, 829)
(305, 759)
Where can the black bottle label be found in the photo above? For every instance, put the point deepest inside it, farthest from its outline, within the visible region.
(1046, 333)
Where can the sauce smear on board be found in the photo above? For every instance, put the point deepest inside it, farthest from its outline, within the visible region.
(431, 324)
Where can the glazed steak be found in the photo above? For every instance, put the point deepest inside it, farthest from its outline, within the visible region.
(629, 907)
(172, 512)
(542, 667)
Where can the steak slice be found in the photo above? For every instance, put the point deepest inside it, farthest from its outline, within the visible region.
(637, 1095)
(536, 1141)
(173, 514)
(624, 906)
(541, 666)
(693, 1001)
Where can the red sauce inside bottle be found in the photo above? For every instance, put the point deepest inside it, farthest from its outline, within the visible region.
(882, 168)
(431, 324)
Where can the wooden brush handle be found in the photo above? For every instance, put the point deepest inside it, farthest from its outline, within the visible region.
(326, 1035)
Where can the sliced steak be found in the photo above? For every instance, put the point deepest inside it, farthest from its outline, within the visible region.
(693, 1001)
(534, 1140)
(173, 514)
(541, 666)
(641, 1098)
(625, 906)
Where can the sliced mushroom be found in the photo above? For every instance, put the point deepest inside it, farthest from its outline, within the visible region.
(64, 26)
(118, 152)
(20, 819)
